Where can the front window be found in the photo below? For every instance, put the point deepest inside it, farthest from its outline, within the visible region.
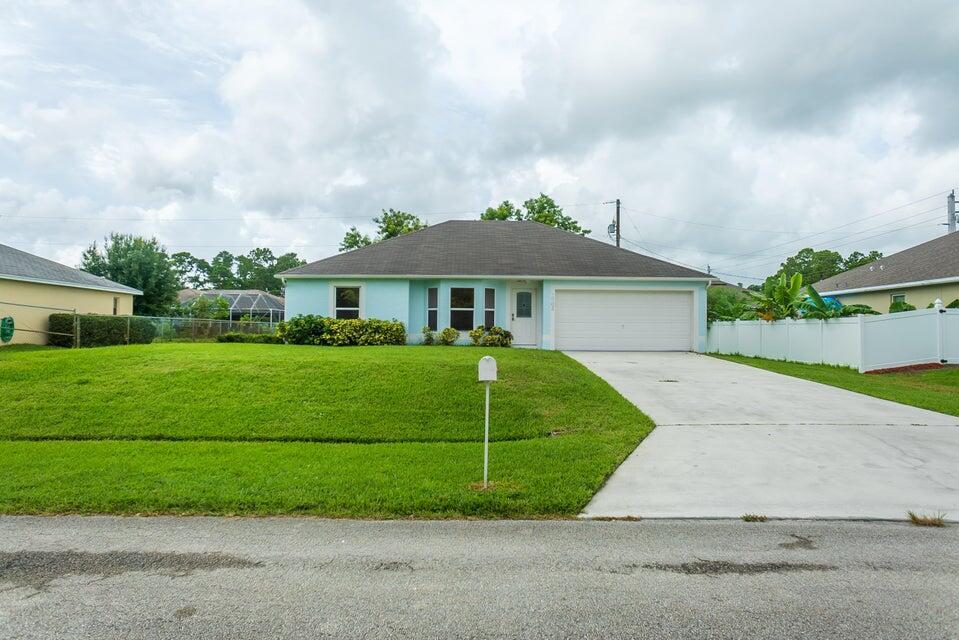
(347, 302)
(489, 316)
(461, 308)
(432, 307)
(898, 297)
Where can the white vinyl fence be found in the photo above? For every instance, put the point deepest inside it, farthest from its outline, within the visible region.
(868, 343)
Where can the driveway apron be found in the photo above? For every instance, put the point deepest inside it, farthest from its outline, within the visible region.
(733, 439)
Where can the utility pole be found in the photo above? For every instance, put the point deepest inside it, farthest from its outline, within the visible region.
(615, 222)
(617, 218)
(950, 212)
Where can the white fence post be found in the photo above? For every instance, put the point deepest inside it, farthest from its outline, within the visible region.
(862, 343)
(940, 328)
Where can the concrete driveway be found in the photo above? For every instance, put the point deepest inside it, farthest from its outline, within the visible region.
(732, 439)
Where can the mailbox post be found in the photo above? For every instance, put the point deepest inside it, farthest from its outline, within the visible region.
(487, 374)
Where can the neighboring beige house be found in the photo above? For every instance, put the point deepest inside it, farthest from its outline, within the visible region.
(31, 288)
(919, 275)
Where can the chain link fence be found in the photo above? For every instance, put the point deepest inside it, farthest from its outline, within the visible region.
(37, 324)
(203, 330)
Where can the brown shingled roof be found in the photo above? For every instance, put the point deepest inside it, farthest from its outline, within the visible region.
(493, 248)
(932, 260)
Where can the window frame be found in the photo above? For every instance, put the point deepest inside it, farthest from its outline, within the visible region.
(893, 296)
(516, 303)
(471, 309)
(433, 323)
(116, 305)
(360, 302)
(489, 310)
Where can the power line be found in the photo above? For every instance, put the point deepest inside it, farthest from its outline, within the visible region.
(887, 232)
(818, 233)
(707, 224)
(190, 246)
(351, 216)
(764, 260)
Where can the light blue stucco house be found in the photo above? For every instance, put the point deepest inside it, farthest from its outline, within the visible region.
(552, 289)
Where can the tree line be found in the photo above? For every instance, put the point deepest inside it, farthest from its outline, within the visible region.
(392, 223)
(144, 264)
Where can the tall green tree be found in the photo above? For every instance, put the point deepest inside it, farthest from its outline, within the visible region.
(541, 209)
(390, 224)
(819, 265)
(354, 239)
(258, 269)
(191, 271)
(857, 259)
(505, 211)
(220, 274)
(139, 263)
(255, 270)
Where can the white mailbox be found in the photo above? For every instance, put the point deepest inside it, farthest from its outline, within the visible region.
(487, 369)
(487, 374)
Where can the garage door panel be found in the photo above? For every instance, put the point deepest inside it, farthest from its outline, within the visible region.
(623, 320)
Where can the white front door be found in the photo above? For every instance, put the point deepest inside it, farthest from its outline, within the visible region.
(522, 320)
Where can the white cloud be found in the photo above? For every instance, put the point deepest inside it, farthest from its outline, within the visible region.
(744, 115)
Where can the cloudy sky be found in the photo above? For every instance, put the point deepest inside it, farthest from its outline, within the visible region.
(732, 131)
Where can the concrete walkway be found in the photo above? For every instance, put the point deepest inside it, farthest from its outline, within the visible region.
(732, 439)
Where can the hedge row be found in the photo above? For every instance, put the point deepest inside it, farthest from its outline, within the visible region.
(318, 330)
(251, 338)
(100, 331)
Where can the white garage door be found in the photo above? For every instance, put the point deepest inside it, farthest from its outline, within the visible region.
(624, 320)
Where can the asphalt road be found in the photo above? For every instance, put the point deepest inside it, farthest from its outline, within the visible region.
(102, 577)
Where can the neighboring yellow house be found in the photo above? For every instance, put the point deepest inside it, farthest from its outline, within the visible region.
(918, 275)
(31, 288)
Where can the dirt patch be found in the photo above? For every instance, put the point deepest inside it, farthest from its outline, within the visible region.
(909, 369)
(37, 569)
(798, 542)
(721, 567)
(184, 612)
(392, 566)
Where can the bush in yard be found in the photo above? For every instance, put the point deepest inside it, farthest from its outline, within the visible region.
(476, 335)
(318, 330)
(492, 337)
(100, 331)
(429, 337)
(304, 330)
(250, 338)
(497, 337)
(448, 336)
(900, 305)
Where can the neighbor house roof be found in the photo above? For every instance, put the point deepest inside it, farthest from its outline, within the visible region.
(926, 263)
(493, 248)
(26, 267)
(239, 299)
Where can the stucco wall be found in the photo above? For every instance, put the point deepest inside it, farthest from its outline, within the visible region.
(698, 290)
(386, 299)
(383, 299)
(83, 300)
(921, 297)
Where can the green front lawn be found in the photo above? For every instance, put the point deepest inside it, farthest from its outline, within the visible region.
(365, 431)
(936, 390)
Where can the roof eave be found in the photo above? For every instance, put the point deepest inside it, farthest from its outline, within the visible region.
(58, 283)
(887, 287)
(304, 276)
